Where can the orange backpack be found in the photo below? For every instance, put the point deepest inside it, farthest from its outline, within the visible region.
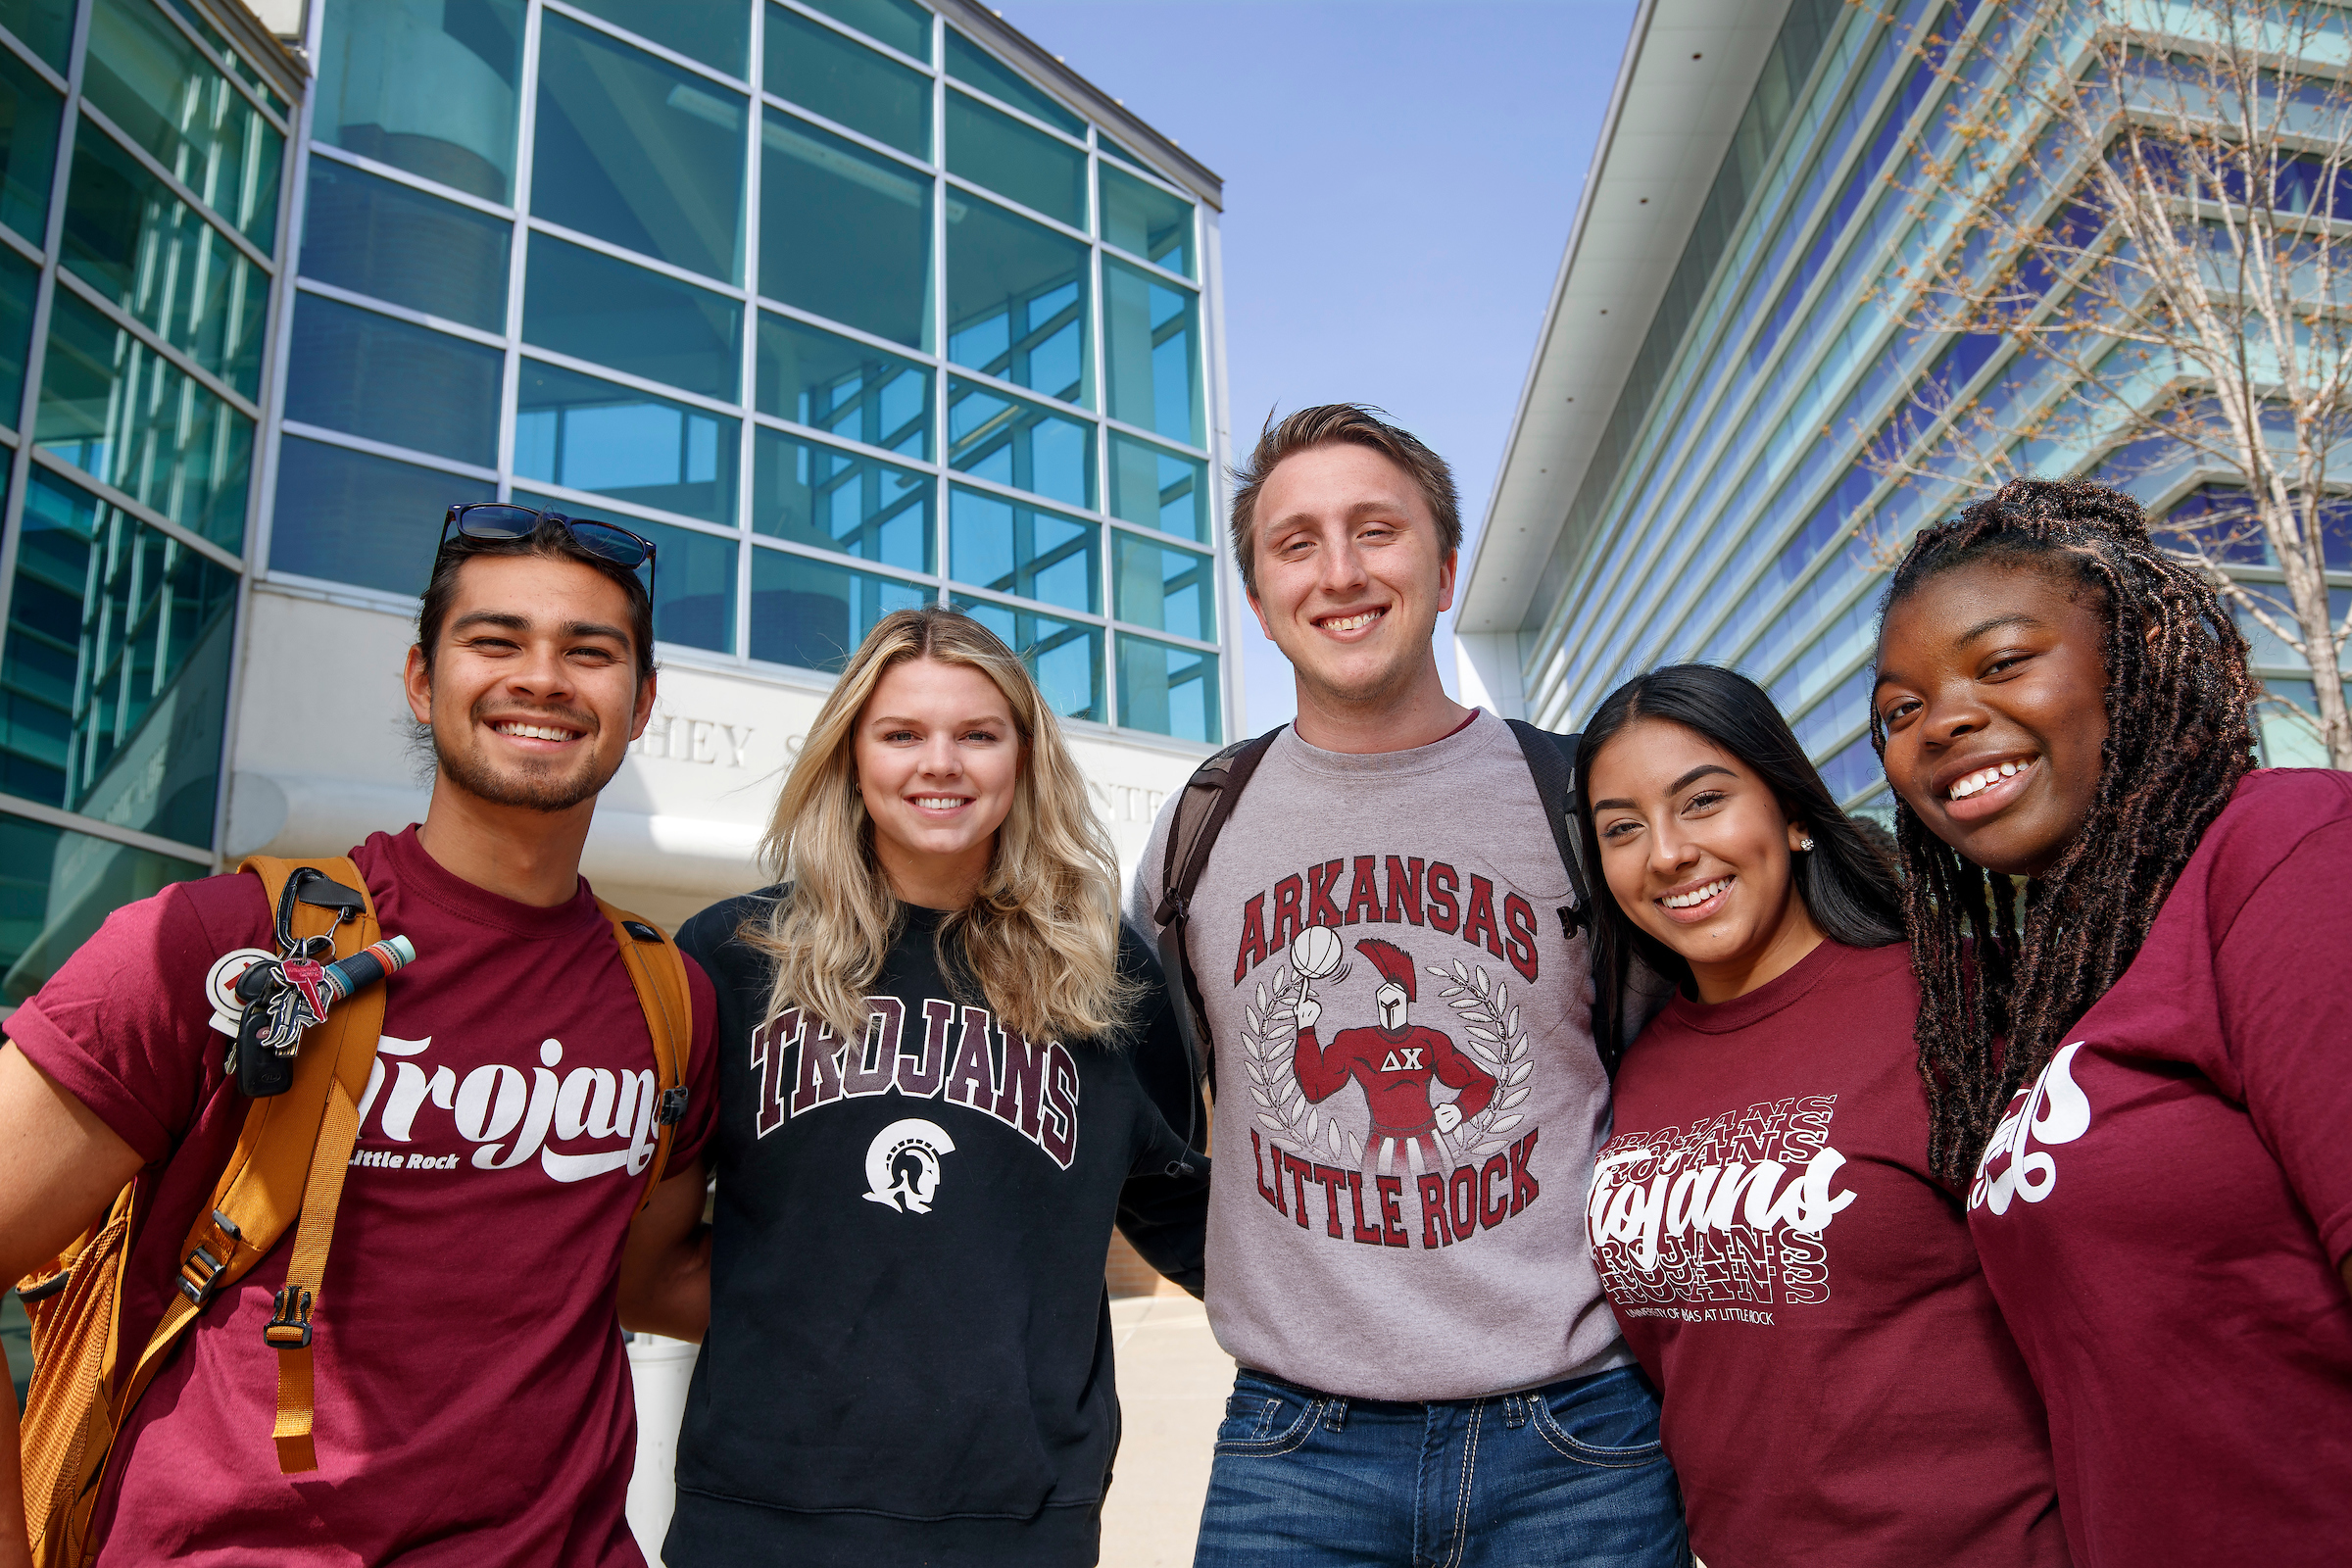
(286, 1171)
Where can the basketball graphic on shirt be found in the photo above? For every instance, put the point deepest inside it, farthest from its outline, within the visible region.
(1318, 953)
(902, 1164)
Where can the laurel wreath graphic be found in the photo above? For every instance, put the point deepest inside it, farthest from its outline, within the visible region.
(1492, 1039)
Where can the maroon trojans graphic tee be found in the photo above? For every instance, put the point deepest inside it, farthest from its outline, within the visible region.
(2164, 1213)
(1839, 1387)
(474, 1399)
(1408, 1097)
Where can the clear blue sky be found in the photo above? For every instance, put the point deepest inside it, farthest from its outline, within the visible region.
(1399, 180)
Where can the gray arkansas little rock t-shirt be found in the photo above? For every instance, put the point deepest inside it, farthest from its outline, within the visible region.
(1398, 1191)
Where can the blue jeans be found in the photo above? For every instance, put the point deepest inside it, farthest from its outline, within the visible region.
(1569, 1474)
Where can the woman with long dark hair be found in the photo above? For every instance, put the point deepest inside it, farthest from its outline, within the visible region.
(2135, 1020)
(1838, 1388)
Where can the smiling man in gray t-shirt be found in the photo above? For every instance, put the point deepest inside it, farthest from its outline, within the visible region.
(1410, 1099)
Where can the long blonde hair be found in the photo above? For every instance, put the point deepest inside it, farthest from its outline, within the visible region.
(1040, 938)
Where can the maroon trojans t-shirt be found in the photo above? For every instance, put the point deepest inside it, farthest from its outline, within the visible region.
(1838, 1386)
(474, 1399)
(2164, 1213)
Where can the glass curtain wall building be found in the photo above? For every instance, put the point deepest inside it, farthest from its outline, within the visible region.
(1689, 474)
(834, 301)
(144, 156)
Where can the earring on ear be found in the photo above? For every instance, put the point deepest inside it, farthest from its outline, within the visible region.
(1805, 842)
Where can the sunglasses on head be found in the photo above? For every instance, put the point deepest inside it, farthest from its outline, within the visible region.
(500, 520)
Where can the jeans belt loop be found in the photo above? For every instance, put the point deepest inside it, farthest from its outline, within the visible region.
(1335, 1414)
(1514, 1410)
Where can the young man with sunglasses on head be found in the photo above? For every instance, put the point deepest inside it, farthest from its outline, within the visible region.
(473, 1401)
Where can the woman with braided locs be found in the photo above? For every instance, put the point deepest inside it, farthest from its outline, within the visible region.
(2134, 1017)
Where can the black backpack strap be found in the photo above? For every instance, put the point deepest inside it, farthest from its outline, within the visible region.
(1208, 798)
(1551, 761)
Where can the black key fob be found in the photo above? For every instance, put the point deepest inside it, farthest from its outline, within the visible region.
(260, 1072)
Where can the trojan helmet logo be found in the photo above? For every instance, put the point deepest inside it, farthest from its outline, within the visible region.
(902, 1164)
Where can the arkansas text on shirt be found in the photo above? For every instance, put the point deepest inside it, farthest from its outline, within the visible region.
(474, 1399)
(1838, 1386)
(2164, 1214)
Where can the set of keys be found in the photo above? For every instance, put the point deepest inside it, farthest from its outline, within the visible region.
(284, 995)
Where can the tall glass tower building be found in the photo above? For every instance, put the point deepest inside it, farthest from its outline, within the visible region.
(1687, 476)
(848, 304)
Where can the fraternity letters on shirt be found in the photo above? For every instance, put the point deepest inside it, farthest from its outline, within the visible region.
(1719, 1220)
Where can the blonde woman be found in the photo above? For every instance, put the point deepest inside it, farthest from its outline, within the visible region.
(944, 1069)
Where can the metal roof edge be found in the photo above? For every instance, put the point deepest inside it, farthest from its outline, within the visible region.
(1168, 159)
(268, 53)
(1651, 100)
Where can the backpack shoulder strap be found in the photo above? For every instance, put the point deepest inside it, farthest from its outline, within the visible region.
(289, 1162)
(1201, 810)
(1551, 762)
(659, 973)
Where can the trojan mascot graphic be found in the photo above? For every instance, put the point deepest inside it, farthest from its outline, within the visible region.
(1394, 1059)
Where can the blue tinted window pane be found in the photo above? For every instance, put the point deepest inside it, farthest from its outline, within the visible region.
(30, 109)
(375, 236)
(1145, 221)
(1013, 547)
(116, 669)
(45, 27)
(900, 24)
(596, 306)
(1117, 151)
(150, 80)
(56, 888)
(821, 496)
(1065, 656)
(1853, 770)
(634, 150)
(147, 251)
(587, 434)
(717, 32)
(1168, 590)
(119, 411)
(969, 63)
(1030, 166)
(694, 577)
(1017, 301)
(818, 68)
(840, 385)
(808, 613)
(243, 70)
(845, 232)
(1020, 444)
(1169, 690)
(358, 372)
(1157, 488)
(355, 518)
(1154, 367)
(18, 279)
(425, 88)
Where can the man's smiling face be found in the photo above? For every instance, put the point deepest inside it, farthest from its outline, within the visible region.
(533, 695)
(1350, 574)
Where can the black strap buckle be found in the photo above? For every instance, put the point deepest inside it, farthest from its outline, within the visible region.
(671, 1109)
(198, 1274)
(289, 1325)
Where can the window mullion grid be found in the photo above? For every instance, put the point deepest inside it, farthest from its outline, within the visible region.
(862, 40)
(526, 128)
(172, 182)
(399, 313)
(1014, 205)
(236, 81)
(124, 502)
(413, 457)
(1099, 364)
(771, 99)
(652, 264)
(401, 176)
(938, 346)
(178, 359)
(660, 51)
(747, 390)
(840, 443)
(36, 351)
(841, 560)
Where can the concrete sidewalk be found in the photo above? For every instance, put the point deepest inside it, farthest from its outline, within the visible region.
(1173, 1381)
